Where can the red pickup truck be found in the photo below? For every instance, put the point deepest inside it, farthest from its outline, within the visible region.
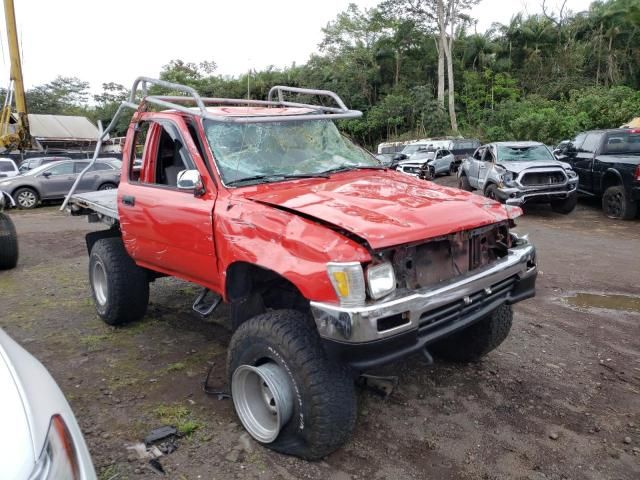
(332, 263)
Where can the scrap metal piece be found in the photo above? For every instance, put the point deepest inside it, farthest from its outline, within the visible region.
(381, 385)
(159, 434)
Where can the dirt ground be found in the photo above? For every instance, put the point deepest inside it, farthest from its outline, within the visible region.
(560, 399)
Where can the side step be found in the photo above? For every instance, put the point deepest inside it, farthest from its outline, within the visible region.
(204, 307)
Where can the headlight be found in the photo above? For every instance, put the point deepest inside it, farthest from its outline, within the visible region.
(58, 458)
(508, 178)
(381, 280)
(4, 184)
(348, 282)
(570, 174)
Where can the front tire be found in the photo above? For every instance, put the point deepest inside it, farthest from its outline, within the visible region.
(474, 342)
(26, 198)
(8, 243)
(492, 193)
(565, 206)
(120, 288)
(463, 183)
(286, 392)
(617, 204)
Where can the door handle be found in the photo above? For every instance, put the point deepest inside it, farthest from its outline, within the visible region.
(128, 200)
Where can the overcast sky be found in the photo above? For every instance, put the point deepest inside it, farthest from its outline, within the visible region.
(117, 40)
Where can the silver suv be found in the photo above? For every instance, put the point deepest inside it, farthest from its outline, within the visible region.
(520, 172)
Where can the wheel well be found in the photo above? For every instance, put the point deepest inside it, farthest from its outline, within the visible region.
(610, 179)
(92, 237)
(26, 187)
(258, 289)
(486, 187)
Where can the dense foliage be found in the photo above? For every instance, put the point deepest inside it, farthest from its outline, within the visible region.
(541, 77)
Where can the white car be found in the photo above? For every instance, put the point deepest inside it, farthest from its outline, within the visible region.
(410, 167)
(42, 439)
(8, 168)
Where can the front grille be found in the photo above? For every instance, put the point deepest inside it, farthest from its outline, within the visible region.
(456, 311)
(542, 178)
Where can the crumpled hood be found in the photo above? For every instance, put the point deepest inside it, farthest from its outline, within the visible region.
(518, 166)
(385, 208)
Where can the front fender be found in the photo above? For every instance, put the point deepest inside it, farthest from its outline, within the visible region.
(294, 247)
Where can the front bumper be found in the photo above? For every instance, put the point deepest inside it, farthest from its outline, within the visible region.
(519, 195)
(383, 331)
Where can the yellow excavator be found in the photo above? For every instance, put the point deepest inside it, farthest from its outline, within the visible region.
(14, 136)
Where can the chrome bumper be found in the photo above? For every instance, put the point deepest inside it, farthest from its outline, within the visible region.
(361, 324)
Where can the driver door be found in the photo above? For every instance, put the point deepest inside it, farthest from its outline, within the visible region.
(57, 180)
(165, 228)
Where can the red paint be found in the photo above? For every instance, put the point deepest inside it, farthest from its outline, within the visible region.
(292, 227)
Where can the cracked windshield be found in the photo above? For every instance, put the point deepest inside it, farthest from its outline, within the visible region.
(524, 154)
(279, 150)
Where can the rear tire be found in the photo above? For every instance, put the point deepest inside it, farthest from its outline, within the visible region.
(8, 243)
(463, 183)
(617, 204)
(107, 186)
(322, 407)
(474, 342)
(26, 198)
(565, 206)
(120, 288)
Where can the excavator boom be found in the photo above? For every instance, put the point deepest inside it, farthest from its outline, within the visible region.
(20, 138)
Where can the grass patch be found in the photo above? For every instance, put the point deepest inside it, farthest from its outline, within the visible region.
(109, 473)
(178, 416)
(94, 342)
(176, 367)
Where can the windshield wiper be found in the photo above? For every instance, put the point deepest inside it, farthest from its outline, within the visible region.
(276, 177)
(347, 168)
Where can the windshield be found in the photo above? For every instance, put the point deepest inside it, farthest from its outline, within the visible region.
(524, 154)
(292, 148)
(622, 143)
(6, 166)
(41, 168)
(411, 149)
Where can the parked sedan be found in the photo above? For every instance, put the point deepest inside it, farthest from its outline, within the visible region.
(8, 168)
(42, 438)
(53, 181)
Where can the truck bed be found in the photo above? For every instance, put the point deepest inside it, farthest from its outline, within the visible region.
(104, 203)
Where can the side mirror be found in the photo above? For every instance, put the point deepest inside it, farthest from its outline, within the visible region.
(191, 180)
(398, 157)
(46, 174)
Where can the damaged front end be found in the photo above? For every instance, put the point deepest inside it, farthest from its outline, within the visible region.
(442, 286)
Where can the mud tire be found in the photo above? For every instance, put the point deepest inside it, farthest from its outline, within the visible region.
(8, 243)
(122, 294)
(324, 411)
(474, 342)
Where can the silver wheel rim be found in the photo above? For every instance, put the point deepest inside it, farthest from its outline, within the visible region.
(26, 199)
(99, 282)
(263, 399)
(107, 187)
